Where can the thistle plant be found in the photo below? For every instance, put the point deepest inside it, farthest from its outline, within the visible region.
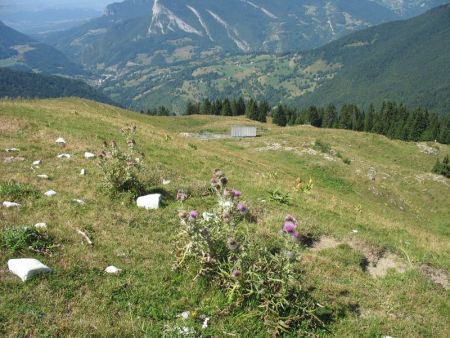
(121, 169)
(222, 247)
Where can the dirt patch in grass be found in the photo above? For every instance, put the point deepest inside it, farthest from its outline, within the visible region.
(377, 262)
(439, 277)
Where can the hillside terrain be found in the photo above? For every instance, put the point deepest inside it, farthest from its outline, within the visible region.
(32, 85)
(365, 67)
(21, 52)
(377, 253)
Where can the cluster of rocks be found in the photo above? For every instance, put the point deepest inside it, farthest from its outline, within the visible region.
(25, 268)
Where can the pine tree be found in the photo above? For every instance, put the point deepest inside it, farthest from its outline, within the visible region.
(191, 109)
(314, 117)
(369, 118)
(279, 116)
(206, 107)
(263, 110)
(330, 117)
(241, 106)
(226, 108)
(252, 111)
(345, 117)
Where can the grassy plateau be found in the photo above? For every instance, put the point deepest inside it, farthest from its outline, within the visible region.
(381, 206)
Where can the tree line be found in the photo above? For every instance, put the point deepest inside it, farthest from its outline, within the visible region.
(392, 120)
(254, 110)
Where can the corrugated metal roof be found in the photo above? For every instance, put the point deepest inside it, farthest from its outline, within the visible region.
(243, 131)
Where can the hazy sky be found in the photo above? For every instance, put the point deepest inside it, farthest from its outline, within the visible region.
(36, 4)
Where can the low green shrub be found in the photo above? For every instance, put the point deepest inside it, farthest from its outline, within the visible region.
(15, 191)
(19, 240)
(322, 146)
(279, 196)
(442, 168)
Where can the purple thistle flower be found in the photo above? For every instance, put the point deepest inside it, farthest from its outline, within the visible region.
(236, 193)
(193, 214)
(289, 227)
(296, 235)
(232, 244)
(242, 208)
(236, 274)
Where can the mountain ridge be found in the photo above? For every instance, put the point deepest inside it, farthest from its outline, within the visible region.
(382, 59)
(20, 51)
(156, 28)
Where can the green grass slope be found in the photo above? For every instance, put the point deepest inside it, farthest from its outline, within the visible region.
(404, 211)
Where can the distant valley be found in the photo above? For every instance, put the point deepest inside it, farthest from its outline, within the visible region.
(146, 53)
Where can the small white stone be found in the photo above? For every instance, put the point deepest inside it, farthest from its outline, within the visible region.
(40, 226)
(12, 150)
(44, 177)
(185, 315)
(79, 201)
(88, 155)
(205, 323)
(65, 155)
(82, 172)
(38, 162)
(50, 193)
(112, 270)
(149, 202)
(7, 204)
(27, 267)
(60, 141)
(355, 231)
(166, 182)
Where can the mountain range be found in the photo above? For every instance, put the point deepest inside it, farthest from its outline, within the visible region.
(20, 51)
(144, 53)
(404, 60)
(165, 31)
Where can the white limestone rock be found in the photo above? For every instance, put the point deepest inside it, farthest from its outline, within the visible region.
(36, 163)
(81, 202)
(89, 156)
(64, 155)
(149, 202)
(27, 267)
(60, 141)
(41, 226)
(113, 270)
(50, 193)
(82, 172)
(43, 176)
(8, 204)
(166, 182)
(12, 150)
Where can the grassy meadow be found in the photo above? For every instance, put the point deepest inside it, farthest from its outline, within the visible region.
(403, 211)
